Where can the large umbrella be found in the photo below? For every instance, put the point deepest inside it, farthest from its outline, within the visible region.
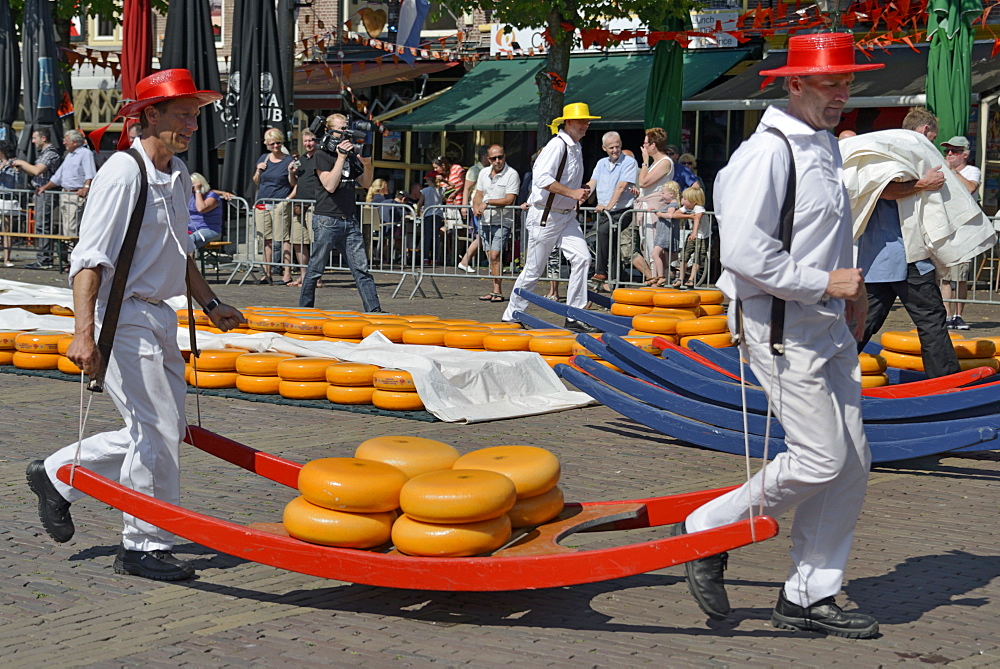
(10, 72)
(189, 42)
(255, 98)
(949, 78)
(40, 76)
(665, 91)
(137, 51)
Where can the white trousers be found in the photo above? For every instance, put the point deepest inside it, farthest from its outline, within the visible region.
(824, 472)
(145, 379)
(561, 229)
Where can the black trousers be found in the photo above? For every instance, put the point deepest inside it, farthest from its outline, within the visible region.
(921, 297)
(619, 221)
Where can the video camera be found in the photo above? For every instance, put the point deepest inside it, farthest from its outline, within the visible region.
(356, 132)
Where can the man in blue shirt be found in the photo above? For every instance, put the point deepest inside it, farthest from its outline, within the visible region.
(882, 259)
(683, 175)
(612, 179)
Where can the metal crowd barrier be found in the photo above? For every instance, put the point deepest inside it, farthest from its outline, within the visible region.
(47, 223)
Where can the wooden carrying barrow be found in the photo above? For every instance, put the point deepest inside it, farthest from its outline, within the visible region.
(534, 559)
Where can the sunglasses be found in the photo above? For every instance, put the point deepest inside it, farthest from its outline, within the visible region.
(687, 162)
(954, 150)
(274, 144)
(500, 157)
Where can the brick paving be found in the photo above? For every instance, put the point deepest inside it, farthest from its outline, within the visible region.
(926, 560)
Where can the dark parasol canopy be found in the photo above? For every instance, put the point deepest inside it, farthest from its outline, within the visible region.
(40, 76)
(10, 72)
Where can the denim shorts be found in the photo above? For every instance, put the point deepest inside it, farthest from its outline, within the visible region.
(494, 237)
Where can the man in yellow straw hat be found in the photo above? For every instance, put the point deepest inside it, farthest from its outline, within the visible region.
(555, 193)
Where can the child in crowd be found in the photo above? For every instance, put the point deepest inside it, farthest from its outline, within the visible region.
(696, 246)
(665, 232)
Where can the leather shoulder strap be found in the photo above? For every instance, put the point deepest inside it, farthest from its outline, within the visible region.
(559, 173)
(786, 224)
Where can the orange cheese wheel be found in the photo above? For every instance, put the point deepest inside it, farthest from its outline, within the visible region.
(346, 341)
(24, 360)
(720, 340)
(7, 339)
(512, 341)
(901, 342)
(902, 360)
(457, 496)
(38, 341)
(384, 319)
(412, 537)
(424, 336)
(874, 380)
(712, 309)
(640, 333)
(553, 360)
(351, 373)
(350, 394)
(556, 345)
(677, 312)
(40, 309)
(871, 364)
(212, 379)
(971, 363)
(200, 317)
(533, 470)
(418, 318)
(260, 364)
(658, 323)
(258, 385)
(57, 310)
(709, 296)
(702, 326)
(501, 325)
(344, 328)
(302, 390)
(975, 348)
(548, 332)
(622, 309)
(458, 321)
(397, 401)
(351, 484)
(605, 363)
(412, 455)
(633, 296)
(266, 322)
(643, 342)
(393, 379)
(7, 357)
(218, 359)
(676, 298)
(304, 337)
(432, 325)
(307, 325)
(580, 349)
(465, 338)
(954, 336)
(304, 369)
(63, 344)
(67, 366)
(393, 332)
(309, 522)
(538, 509)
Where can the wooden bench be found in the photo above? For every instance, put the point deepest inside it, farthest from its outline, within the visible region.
(60, 240)
(212, 252)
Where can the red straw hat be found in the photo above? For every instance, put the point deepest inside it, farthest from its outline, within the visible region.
(821, 53)
(166, 85)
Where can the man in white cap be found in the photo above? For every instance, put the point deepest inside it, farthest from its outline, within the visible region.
(956, 154)
(145, 373)
(556, 191)
(806, 359)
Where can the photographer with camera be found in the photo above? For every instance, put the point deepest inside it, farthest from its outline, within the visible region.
(335, 217)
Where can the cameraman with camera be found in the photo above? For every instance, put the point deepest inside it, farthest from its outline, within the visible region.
(335, 216)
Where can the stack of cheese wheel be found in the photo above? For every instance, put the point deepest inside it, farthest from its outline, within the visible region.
(65, 365)
(38, 349)
(872, 370)
(303, 378)
(682, 301)
(270, 321)
(350, 382)
(7, 347)
(305, 327)
(658, 325)
(345, 502)
(454, 513)
(554, 349)
(710, 301)
(343, 328)
(394, 391)
(972, 353)
(507, 340)
(535, 474)
(214, 368)
(392, 328)
(631, 301)
(257, 373)
(467, 338)
(412, 455)
(902, 350)
(712, 330)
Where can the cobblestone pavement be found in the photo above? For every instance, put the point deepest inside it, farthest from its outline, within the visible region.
(926, 560)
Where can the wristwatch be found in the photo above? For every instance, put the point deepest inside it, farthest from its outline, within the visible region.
(212, 304)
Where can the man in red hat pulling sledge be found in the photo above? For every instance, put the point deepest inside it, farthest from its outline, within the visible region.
(809, 369)
(145, 373)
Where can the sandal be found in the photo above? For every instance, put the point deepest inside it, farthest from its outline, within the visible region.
(689, 285)
(491, 297)
(295, 283)
(661, 283)
(652, 280)
(677, 284)
(497, 297)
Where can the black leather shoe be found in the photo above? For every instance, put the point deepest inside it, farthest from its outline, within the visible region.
(53, 509)
(156, 565)
(823, 616)
(705, 581)
(579, 326)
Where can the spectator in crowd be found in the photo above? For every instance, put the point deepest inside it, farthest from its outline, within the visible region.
(665, 231)
(205, 207)
(306, 184)
(956, 283)
(696, 245)
(683, 174)
(554, 263)
(431, 217)
(612, 179)
(471, 179)
(452, 179)
(496, 190)
(655, 169)
(73, 177)
(10, 203)
(275, 177)
(46, 163)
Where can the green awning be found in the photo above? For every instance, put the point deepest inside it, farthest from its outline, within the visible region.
(501, 94)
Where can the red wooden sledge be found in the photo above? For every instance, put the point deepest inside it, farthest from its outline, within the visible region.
(533, 560)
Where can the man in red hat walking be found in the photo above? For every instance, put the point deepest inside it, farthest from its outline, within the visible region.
(806, 360)
(145, 375)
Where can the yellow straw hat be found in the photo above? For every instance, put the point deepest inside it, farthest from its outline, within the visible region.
(575, 111)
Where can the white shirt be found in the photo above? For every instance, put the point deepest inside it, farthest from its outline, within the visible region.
(748, 196)
(160, 261)
(76, 169)
(970, 172)
(546, 166)
(496, 187)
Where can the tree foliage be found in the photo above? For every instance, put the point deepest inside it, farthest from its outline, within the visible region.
(583, 14)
